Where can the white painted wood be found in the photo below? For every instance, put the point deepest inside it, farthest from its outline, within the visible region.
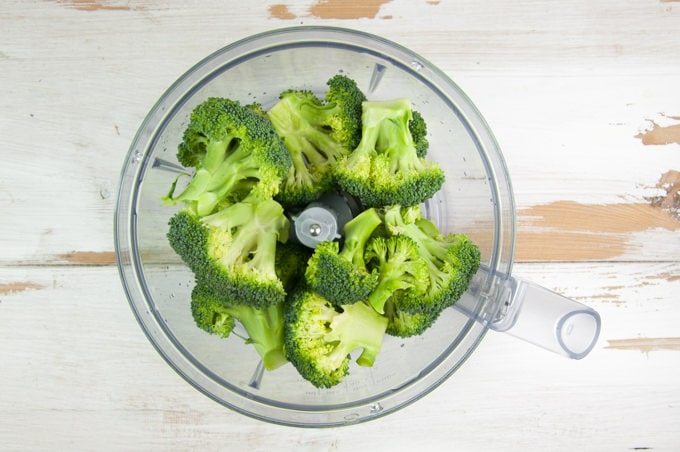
(566, 86)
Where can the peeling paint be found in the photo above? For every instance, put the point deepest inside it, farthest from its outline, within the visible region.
(19, 286)
(341, 9)
(669, 182)
(610, 298)
(666, 276)
(92, 5)
(660, 135)
(333, 9)
(611, 218)
(281, 11)
(89, 257)
(645, 344)
(567, 230)
(567, 246)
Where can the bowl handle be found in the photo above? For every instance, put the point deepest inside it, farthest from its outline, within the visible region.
(535, 314)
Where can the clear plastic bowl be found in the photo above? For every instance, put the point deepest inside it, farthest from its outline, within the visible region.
(476, 199)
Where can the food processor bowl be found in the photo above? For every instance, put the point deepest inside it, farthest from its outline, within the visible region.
(476, 200)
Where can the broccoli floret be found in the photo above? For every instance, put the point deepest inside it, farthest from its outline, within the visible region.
(452, 259)
(215, 313)
(320, 336)
(385, 169)
(235, 152)
(234, 249)
(316, 133)
(418, 128)
(400, 269)
(393, 272)
(341, 275)
(291, 263)
(209, 314)
(406, 324)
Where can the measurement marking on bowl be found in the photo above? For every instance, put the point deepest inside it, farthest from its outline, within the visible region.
(376, 76)
(167, 166)
(256, 379)
(375, 408)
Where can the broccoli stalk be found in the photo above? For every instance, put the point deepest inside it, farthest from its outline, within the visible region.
(385, 168)
(319, 336)
(215, 314)
(400, 269)
(316, 133)
(341, 276)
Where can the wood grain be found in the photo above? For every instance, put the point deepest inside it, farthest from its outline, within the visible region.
(93, 5)
(571, 231)
(18, 286)
(646, 344)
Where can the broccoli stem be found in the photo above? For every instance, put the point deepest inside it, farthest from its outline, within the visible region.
(357, 327)
(265, 331)
(390, 281)
(234, 167)
(258, 227)
(357, 232)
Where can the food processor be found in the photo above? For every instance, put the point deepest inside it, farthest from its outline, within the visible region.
(476, 199)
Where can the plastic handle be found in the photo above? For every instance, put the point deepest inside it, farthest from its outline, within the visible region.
(532, 313)
(549, 320)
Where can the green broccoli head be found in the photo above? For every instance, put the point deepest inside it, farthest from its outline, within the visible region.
(399, 267)
(402, 323)
(210, 314)
(320, 336)
(316, 133)
(216, 313)
(341, 275)
(235, 152)
(291, 263)
(385, 168)
(452, 259)
(344, 119)
(418, 128)
(234, 249)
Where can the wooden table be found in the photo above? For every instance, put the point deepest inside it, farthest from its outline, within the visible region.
(584, 98)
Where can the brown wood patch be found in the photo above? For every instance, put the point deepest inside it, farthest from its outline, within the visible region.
(281, 11)
(645, 344)
(660, 135)
(92, 5)
(341, 9)
(19, 286)
(89, 257)
(567, 230)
